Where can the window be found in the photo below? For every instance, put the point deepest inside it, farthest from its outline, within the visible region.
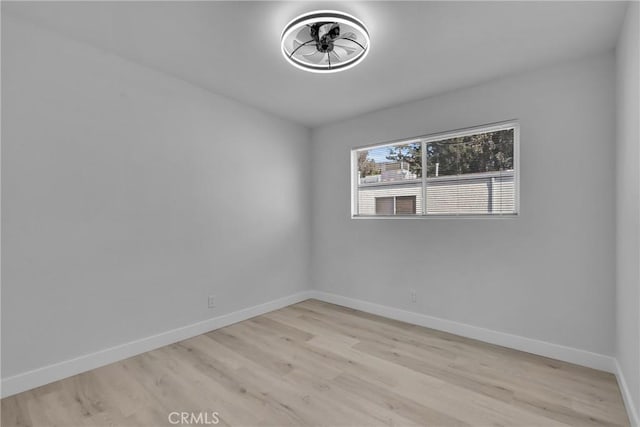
(468, 172)
(396, 205)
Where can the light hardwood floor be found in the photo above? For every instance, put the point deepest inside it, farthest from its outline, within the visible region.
(315, 363)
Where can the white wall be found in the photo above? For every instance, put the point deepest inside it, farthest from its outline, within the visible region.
(129, 196)
(128, 199)
(547, 274)
(628, 203)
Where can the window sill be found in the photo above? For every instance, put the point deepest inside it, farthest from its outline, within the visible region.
(437, 216)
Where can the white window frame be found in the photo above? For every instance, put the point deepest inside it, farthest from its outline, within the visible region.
(424, 140)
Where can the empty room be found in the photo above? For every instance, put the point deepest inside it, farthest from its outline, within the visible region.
(310, 213)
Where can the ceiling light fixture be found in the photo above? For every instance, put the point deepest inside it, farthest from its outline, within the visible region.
(325, 41)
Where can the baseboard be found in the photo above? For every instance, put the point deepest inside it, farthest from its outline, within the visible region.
(41, 376)
(542, 348)
(634, 420)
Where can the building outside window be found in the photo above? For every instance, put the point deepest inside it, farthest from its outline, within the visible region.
(469, 172)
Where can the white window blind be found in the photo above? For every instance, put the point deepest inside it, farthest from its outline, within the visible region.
(468, 172)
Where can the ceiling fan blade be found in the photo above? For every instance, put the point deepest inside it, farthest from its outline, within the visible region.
(304, 34)
(303, 48)
(306, 50)
(307, 55)
(344, 50)
(315, 57)
(341, 52)
(335, 58)
(347, 36)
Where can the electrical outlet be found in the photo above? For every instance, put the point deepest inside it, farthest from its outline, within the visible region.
(414, 295)
(211, 301)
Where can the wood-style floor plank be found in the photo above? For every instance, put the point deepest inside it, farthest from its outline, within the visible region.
(318, 364)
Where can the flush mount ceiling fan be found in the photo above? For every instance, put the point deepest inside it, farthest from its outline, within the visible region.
(325, 41)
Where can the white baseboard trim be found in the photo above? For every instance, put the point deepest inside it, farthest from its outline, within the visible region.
(41, 376)
(634, 420)
(45, 375)
(542, 348)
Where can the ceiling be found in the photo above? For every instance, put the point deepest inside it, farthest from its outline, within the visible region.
(418, 49)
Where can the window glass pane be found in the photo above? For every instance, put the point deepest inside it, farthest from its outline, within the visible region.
(384, 205)
(393, 163)
(482, 152)
(387, 172)
(471, 174)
